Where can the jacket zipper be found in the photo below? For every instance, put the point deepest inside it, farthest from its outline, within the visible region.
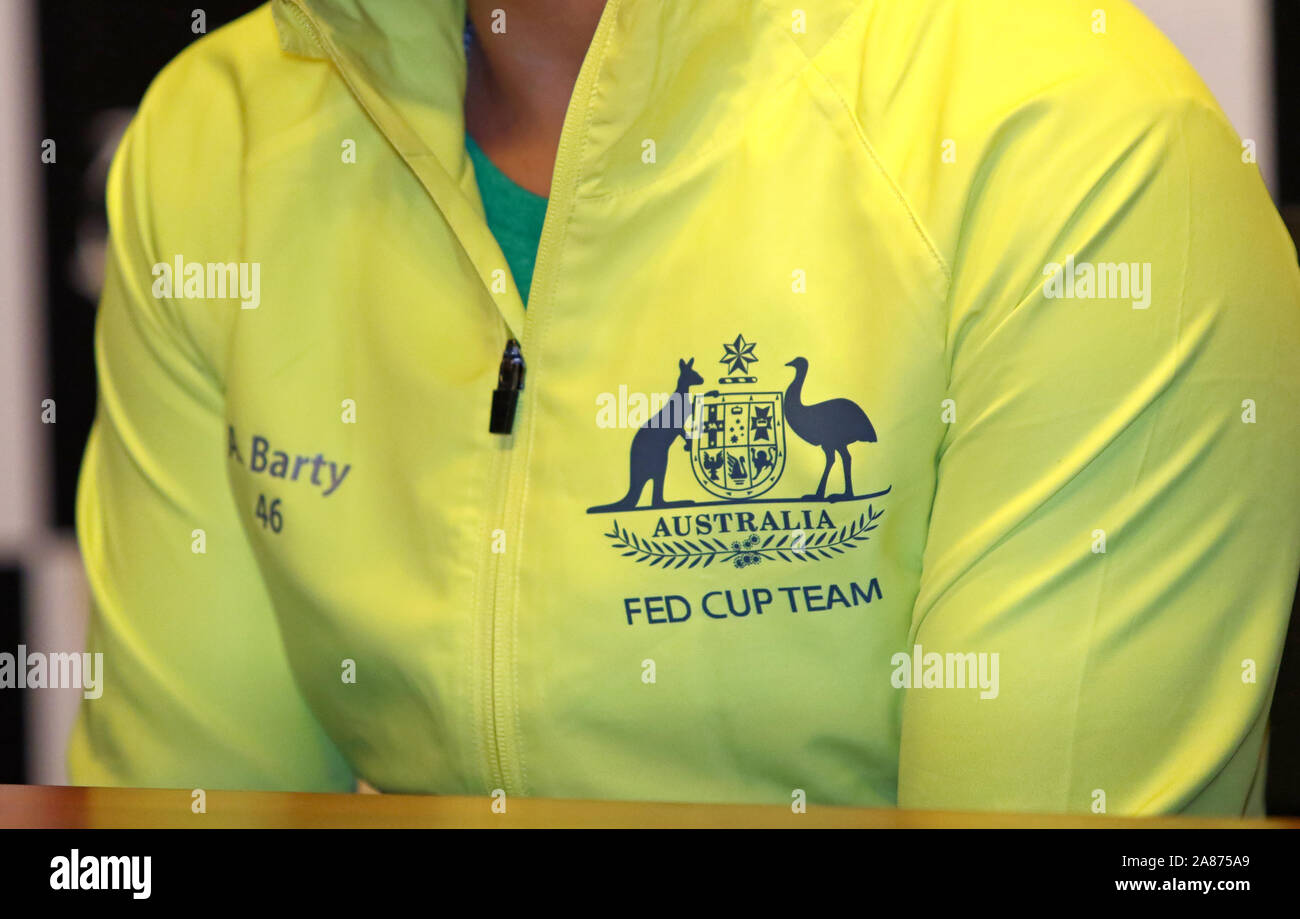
(505, 764)
(501, 757)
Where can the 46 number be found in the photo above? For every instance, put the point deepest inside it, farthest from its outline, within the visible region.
(270, 516)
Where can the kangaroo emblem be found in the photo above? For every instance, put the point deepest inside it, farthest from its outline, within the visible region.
(651, 443)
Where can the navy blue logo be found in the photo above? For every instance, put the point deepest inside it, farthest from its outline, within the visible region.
(739, 440)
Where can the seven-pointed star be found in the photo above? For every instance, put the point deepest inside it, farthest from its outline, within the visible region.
(739, 355)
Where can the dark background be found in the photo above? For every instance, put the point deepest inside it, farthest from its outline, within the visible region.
(94, 59)
(99, 58)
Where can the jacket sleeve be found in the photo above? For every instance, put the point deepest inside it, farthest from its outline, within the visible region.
(197, 691)
(1116, 512)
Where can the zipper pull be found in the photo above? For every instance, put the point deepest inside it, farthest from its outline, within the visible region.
(510, 382)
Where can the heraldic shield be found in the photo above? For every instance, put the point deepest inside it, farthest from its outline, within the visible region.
(738, 443)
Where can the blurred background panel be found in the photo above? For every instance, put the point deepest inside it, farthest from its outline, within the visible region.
(1230, 42)
(72, 73)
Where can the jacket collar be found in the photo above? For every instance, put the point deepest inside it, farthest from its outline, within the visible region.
(685, 76)
(681, 73)
(404, 61)
(409, 52)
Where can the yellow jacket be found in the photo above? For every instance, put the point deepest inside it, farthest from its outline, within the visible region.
(910, 417)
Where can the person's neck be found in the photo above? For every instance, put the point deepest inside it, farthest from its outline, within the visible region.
(520, 80)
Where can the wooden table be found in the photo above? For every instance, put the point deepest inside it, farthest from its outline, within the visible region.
(31, 806)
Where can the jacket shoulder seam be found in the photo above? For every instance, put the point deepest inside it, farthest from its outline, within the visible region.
(894, 185)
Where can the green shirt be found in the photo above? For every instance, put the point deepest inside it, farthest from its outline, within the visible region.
(514, 214)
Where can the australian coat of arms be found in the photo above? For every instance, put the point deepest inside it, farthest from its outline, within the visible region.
(738, 440)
